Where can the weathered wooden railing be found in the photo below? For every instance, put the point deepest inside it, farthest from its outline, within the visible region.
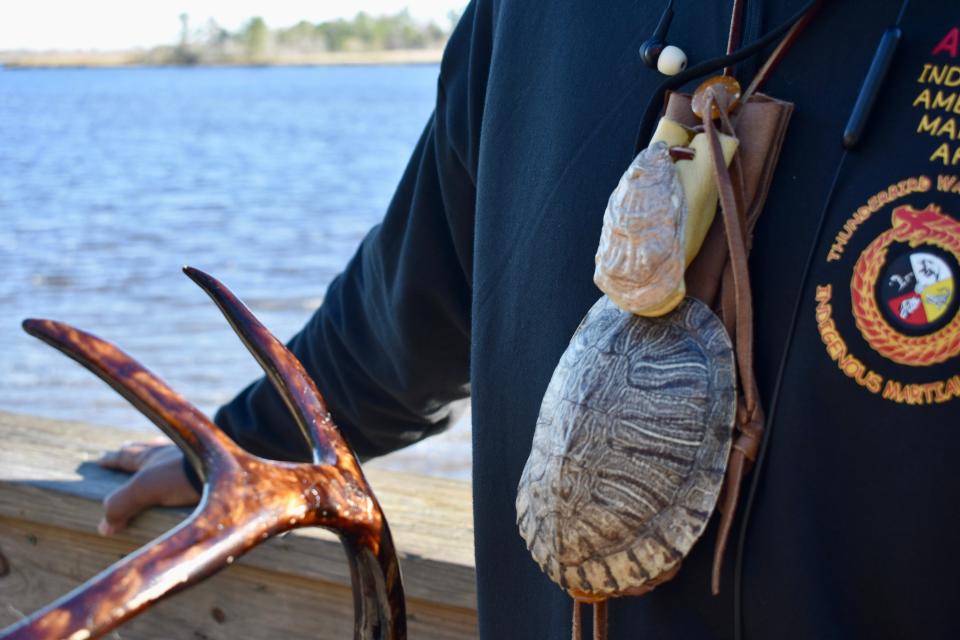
(294, 587)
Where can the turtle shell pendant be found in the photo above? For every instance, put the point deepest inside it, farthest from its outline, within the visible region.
(630, 449)
(634, 432)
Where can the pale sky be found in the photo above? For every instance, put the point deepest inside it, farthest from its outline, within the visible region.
(124, 24)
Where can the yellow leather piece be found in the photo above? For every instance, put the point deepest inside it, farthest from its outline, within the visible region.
(696, 176)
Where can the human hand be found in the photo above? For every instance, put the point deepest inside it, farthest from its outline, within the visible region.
(158, 480)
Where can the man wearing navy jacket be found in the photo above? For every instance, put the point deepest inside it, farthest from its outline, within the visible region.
(482, 268)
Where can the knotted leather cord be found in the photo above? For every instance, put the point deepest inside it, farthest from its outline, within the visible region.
(749, 421)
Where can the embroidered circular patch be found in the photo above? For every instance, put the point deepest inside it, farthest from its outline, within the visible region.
(903, 290)
(916, 289)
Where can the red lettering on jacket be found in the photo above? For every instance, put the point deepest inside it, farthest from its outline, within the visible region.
(950, 43)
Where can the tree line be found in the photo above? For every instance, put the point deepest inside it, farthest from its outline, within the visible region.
(255, 41)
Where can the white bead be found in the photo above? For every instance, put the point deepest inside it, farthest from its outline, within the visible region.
(672, 61)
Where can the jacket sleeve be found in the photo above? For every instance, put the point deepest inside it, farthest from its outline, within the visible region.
(389, 347)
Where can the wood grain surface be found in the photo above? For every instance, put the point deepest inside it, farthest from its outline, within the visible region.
(297, 585)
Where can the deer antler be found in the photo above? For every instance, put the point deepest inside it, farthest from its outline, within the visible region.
(246, 499)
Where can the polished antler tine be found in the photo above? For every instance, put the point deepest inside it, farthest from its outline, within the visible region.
(199, 439)
(374, 569)
(185, 556)
(284, 371)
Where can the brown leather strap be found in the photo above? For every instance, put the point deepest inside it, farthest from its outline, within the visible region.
(577, 620)
(732, 220)
(600, 620)
(780, 51)
(760, 128)
(736, 30)
(727, 304)
(749, 422)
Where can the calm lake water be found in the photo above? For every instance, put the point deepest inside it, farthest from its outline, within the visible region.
(111, 180)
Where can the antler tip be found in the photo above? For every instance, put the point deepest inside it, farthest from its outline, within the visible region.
(202, 278)
(37, 327)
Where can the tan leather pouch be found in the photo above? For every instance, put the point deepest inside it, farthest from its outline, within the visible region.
(760, 125)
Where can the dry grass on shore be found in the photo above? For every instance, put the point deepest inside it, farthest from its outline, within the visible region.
(106, 59)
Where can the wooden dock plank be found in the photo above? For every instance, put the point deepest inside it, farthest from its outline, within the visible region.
(297, 586)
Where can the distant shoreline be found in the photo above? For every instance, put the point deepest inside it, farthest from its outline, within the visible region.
(133, 59)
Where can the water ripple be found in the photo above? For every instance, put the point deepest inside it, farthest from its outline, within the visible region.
(110, 180)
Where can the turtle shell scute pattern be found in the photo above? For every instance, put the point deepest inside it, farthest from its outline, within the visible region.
(630, 448)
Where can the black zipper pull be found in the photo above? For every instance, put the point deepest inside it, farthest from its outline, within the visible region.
(882, 60)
